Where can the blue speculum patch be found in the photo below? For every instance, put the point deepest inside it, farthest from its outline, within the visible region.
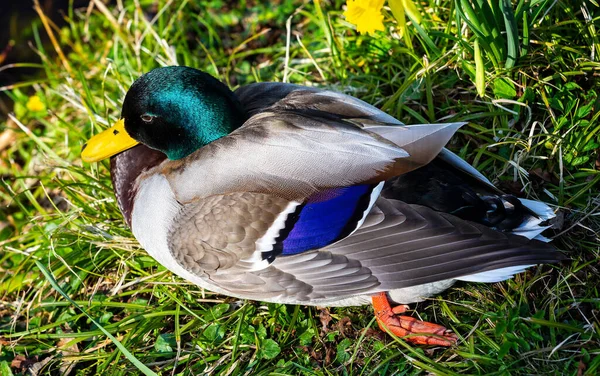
(327, 217)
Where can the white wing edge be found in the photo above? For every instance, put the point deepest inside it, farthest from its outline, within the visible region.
(496, 275)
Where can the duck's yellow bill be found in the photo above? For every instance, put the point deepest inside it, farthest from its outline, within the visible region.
(107, 143)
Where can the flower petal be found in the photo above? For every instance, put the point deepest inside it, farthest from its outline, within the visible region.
(365, 14)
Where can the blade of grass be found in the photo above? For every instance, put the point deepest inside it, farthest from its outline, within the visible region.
(139, 365)
(512, 34)
(479, 71)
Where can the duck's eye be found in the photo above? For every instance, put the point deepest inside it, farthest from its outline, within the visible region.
(147, 118)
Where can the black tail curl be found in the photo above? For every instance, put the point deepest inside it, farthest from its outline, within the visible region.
(441, 189)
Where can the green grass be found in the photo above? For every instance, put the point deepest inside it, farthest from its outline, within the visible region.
(534, 129)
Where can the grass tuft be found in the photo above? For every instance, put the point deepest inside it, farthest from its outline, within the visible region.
(79, 296)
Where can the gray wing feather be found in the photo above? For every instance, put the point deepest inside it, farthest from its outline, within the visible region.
(300, 141)
(398, 246)
(289, 155)
(221, 231)
(416, 245)
(260, 96)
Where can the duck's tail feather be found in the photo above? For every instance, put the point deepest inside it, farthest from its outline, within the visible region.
(518, 216)
(531, 226)
(534, 224)
(408, 245)
(540, 209)
(444, 189)
(496, 275)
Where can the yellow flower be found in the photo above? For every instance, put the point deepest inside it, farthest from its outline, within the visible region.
(365, 14)
(34, 104)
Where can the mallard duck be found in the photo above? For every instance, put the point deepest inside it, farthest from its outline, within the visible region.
(291, 194)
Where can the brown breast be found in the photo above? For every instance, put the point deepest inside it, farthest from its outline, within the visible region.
(124, 170)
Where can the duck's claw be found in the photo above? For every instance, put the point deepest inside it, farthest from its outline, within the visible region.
(404, 326)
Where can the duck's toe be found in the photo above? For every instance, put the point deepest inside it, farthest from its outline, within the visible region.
(412, 330)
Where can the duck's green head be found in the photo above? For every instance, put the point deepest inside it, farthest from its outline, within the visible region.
(175, 110)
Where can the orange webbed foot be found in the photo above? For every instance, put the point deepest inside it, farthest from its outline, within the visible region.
(388, 319)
